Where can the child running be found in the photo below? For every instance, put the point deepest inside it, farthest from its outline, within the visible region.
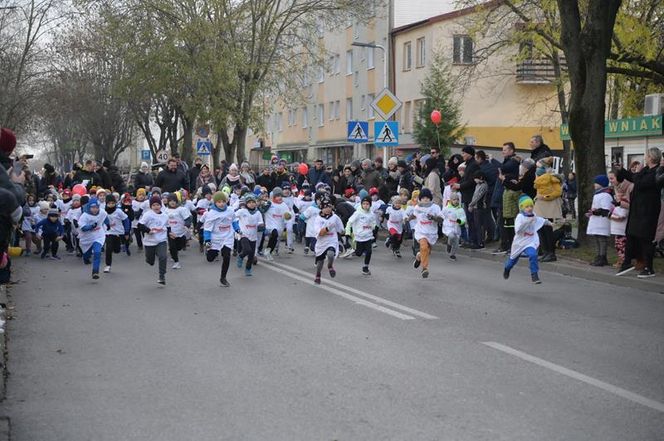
(119, 229)
(179, 221)
(428, 215)
(248, 223)
(362, 224)
(92, 235)
(526, 239)
(51, 232)
(396, 217)
(154, 223)
(328, 226)
(453, 218)
(218, 233)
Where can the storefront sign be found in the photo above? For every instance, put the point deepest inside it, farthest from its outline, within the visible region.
(626, 128)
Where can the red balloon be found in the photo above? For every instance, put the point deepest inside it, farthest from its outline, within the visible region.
(436, 117)
(80, 190)
(303, 169)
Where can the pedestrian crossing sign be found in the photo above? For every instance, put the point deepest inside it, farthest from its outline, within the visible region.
(358, 131)
(386, 133)
(203, 147)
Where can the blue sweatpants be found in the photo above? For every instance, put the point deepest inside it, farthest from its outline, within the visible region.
(532, 257)
(95, 250)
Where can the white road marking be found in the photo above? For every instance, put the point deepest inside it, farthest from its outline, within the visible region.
(340, 293)
(372, 297)
(578, 376)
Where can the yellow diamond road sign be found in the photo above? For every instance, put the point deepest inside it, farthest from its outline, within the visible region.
(386, 104)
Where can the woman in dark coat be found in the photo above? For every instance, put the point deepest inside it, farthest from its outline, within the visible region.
(645, 204)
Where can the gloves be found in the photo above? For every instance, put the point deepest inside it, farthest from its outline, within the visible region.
(143, 229)
(459, 221)
(616, 203)
(208, 245)
(260, 228)
(89, 227)
(601, 212)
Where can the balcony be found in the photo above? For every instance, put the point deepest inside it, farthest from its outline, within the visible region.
(536, 71)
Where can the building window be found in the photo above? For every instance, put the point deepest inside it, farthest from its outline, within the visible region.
(363, 103)
(370, 57)
(321, 74)
(406, 117)
(349, 109)
(336, 64)
(331, 107)
(321, 115)
(305, 117)
(370, 110)
(407, 56)
(463, 49)
(292, 115)
(417, 109)
(337, 109)
(421, 53)
(349, 62)
(280, 118)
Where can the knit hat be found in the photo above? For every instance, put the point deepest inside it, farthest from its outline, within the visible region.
(373, 191)
(454, 196)
(173, 197)
(206, 190)
(110, 198)
(155, 200)
(602, 180)
(425, 193)
(43, 205)
(277, 192)
(76, 197)
(232, 167)
(140, 192)
(367, 199)
(7, 141)
(156, 190)
(144, 165)
(324, 201)
(100, 190)
(53, 212)
(525, 201)
(349, 192)
(49, 168)
(393, 161)
(249, 197)
(402, 163)
(94, 202)
(468, 150)
(363, 193)
(219, 197)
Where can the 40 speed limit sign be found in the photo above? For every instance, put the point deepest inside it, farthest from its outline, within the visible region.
(162, 156)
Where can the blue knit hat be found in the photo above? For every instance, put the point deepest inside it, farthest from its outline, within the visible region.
(602, 180)
(525, 201)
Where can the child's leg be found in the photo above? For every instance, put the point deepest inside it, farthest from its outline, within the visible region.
(162, 254)
(248, 251)
(453, 242)
(108, 250)
(290, 235)
(272, 241)
(28, 240)
(532, 258)
(211, 254)
(96, 257)
(367, 255)
(150, 253)
(395, 241)
(55, 246)
(67, 237)
(139, 238)
(173, 249)
(46, 239)
(330, 258)
(225, 261)
(603, 242)
(425, 250)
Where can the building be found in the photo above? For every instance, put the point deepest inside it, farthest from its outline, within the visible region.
(506, 101)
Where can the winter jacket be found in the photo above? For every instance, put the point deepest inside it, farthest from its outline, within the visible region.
(645, 203)
(117, 182)
(548, 186)
(541, 152)
(467, 184)
(170, 181)
(143, 180)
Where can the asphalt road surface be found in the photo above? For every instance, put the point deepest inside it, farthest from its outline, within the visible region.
(463, 355)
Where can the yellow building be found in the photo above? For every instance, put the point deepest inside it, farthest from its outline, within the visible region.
(502, 102)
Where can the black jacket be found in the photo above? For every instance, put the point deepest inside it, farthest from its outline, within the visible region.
(541, 152)
(193, 175)
(526, 184)
(467, 183)
(143, 180)
(266, 181)
(172, 181)
(644, 204)
(117, 181)
(105, 178)
(92, 177)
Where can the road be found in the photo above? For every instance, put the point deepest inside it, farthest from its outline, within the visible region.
(463, 355)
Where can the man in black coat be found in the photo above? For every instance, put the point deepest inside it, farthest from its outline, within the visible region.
(194, 172)
(87, 176)
(102, 171)
(117, 181)
(406, 177)
(466, 187)
(172, 179)
(539, 150)
(645, 204)
(265, 179)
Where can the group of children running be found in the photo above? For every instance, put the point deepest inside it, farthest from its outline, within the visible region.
(244, 223)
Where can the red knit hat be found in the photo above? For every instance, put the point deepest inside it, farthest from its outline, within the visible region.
(7, 141)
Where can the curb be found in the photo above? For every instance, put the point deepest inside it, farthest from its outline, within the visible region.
(5, 424)
(570, 267)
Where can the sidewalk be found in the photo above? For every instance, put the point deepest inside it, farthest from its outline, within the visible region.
(581, 269)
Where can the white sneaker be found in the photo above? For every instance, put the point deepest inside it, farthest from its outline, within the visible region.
(348, 254)
(268, 256)
(107, 269)
(176, 265)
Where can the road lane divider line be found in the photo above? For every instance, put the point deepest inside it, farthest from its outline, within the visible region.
(656, 405)
(340, 293)
(366, 295)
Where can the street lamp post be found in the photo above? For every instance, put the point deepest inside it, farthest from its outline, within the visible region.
(377, 46)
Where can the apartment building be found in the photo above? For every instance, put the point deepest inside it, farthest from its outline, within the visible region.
(503, 101)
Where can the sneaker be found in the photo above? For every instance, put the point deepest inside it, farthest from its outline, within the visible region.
(239, 261)
(646, 274)
(374, 245)
(176, 265)
(95, 276)
(161, 281)
(425, 273)
(548, 258)
(28, 253)
(87, 261)
(536, 279)
(268, 256)
(234, 253)
(317, 279)
(349, 253)
(397, 253)
(247, 272)
(416, 262)
(333, 272)
(499, 252)
(43, 255)
(291, 250)
(128, 251)
(306, 250)
(260, 253)
(55, 258)
(453, 258)
(506, 274)
(224, 283)
(624, 269)
(387, 241)
(107, 269)
(365, 271)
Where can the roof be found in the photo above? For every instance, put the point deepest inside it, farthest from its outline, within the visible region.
(447, 16)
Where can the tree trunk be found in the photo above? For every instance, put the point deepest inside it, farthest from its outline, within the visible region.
(240, 138)
(229, 146)
(216, 151)
(187, 147)
(564, 113)
(586, 43)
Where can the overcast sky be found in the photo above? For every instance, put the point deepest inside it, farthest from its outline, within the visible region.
(410, 11)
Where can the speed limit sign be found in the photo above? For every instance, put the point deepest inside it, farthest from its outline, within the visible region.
(162, 156)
